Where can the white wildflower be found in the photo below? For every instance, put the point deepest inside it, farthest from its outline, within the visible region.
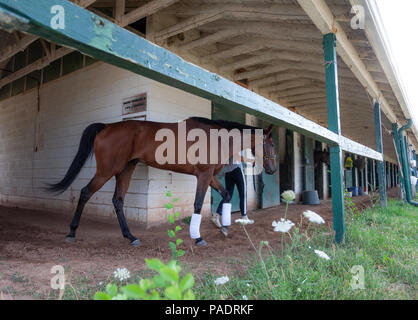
(221, 280)
(313, 217)
(282, 226)
(288, 196)
(122, 274)
(322, 254)
(244, 297)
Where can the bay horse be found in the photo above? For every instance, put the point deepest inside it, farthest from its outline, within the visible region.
(321, 156)
(119, 146)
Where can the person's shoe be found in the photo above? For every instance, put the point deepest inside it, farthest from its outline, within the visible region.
(215, 220)
(247, 219)
(224, 231)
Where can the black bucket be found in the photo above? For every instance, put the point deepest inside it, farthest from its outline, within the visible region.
(310, 197)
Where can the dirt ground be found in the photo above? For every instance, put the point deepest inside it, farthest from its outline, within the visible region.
(31, 242)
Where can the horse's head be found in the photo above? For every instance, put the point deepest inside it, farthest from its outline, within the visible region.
(269, 151)
(321, 156)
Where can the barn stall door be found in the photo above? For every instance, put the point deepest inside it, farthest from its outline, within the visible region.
(271, 189)
(221, 113)
(309, 164)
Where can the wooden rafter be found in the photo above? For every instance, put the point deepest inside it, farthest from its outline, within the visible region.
(23, 43)
(52, 56)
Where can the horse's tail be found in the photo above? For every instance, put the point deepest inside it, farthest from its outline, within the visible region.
(85, 150)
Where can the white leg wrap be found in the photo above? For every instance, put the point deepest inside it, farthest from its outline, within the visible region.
(226, 214)
(195, 226)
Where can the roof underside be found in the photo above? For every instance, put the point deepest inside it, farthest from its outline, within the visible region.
(271, 46)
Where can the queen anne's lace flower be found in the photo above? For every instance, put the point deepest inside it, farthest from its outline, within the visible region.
(283, 225)
(288, 196)
(122, 274)
(322, 254)
(313, 217)
(221, 280)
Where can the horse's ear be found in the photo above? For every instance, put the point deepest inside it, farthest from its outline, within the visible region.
(268, 130)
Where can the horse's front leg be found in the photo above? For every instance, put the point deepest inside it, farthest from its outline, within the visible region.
(203, 181)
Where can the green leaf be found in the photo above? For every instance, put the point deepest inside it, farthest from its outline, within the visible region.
(187, 282)
(172, 245)
(154, 264)
(175, 265)
(112, 289)
(189, 295)
(102, 296)
(145, 284)
(179, 242)
(178, 228)
(120, 296)
(175, 199)
(154, 295)
(173, 293)
(159, 282)
(169, 205)
(134, 291)
(176, 214)
(171, 233)
(180, 253)
(170, 219)
(168, 193)
(169, 274)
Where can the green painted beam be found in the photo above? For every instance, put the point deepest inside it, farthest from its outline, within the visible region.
(334, 124)
(379, 147)
(97, 37)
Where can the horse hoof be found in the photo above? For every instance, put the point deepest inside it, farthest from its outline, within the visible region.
(201, 243)
(135, 243)
(224, 231)
(70, 239)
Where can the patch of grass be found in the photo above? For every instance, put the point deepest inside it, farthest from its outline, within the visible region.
(17, 278)
(382, 241)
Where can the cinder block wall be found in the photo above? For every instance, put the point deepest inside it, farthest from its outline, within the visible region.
(298, 166)
(38, 147)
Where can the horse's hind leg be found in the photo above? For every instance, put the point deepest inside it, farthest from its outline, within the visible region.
(122, 185)
(95, 184)
(226, 198)
(203, 181)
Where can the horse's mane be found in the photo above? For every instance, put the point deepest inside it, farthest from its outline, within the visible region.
(229, 125)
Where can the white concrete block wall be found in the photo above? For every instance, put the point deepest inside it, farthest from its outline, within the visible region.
(298, 165)
(67, 106)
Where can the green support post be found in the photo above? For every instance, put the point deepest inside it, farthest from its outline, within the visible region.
(333, 106)
(398, 152)
(379, 148)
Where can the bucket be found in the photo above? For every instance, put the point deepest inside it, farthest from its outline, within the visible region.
(310, 197)
(355, 191)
